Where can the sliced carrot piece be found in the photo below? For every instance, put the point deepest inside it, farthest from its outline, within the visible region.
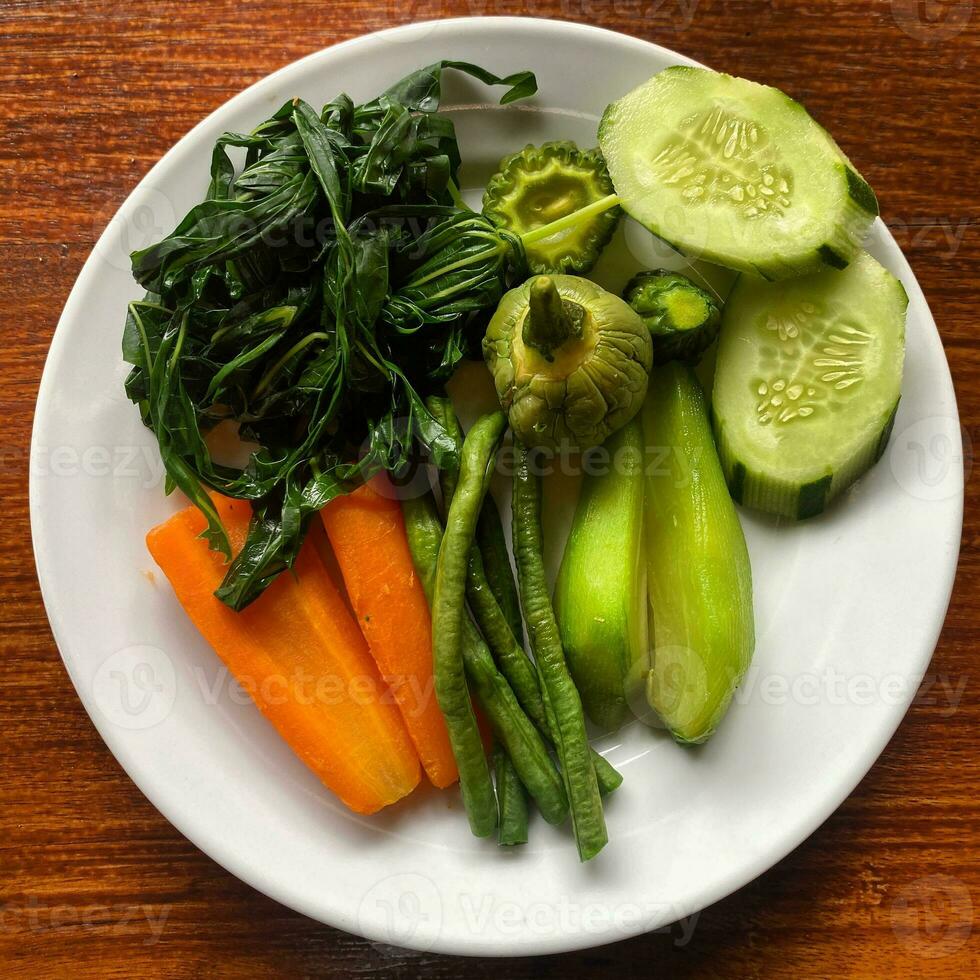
(299, 654)
(367, 534)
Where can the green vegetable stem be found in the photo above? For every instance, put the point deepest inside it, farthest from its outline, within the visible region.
(562, 703)
(550, 321)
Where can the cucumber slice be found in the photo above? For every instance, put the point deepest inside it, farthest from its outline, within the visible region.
(698, 573)
(807, 383)
(600, 594)
(735, 172)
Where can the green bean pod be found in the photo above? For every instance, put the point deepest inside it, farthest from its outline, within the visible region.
(499, 628)
(512, 815)
(517, 667)
(496, 607)
(514, 730)
(513, 662)
(448, 616)
(562, 703)
(492, 546)
(511, 726)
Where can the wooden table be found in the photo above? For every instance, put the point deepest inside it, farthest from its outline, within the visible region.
(93, 881)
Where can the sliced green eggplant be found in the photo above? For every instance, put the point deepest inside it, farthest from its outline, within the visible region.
(600, 595)
(807, 384)
(735, 172)
(698, 575)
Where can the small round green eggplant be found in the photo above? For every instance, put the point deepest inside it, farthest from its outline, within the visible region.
(569, 362)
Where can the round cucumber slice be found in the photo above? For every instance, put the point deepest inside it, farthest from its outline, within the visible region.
(735, 172)
(807, 384)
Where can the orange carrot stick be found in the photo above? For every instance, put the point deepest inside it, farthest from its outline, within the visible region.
(367, 533)
(300, 655)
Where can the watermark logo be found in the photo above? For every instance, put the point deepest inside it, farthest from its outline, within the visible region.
(932, 21)
(928, 456)
(408, 908)
(136, 687)
(149, 220)
(565, 915)
(933, 916)
(678, 689)
(941, 235)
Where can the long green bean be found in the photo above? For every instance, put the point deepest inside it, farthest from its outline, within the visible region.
(512, 729)
(517, 667)
(503, 629)
(492, 546)
(514, 663)
(562, 703)
(511, 800)
(448, 616)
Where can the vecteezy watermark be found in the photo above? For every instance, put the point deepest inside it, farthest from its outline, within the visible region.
(415, 475)
(932, 917)
(566, 916)
(681, 671)
(325, 689)
(151, 219)
(943, 236)
(837, 688)
(136, 687)
(932, 21)
(36, 916)
(931, 457)
(408, 909)
(140, 464)
(679, 14)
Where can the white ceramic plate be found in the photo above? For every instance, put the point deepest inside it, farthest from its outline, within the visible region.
(848, 606)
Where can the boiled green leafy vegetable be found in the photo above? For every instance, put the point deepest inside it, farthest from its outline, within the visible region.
(329, 280)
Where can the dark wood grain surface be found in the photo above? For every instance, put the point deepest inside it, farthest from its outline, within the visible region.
(93, 881)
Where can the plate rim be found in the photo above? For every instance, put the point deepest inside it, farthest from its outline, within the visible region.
(117, 742)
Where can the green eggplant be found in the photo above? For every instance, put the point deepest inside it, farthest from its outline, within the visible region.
(698, 574)
(600, 594)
